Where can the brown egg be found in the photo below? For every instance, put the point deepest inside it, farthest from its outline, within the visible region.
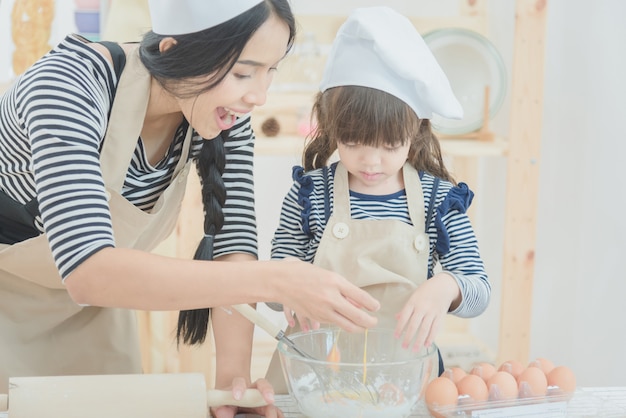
(563, 378)
(532, 382)
(455, 374)
(440, 393)
(543, 363)
(474, 387)
(512, 366)
(484, 370)
(502, 386)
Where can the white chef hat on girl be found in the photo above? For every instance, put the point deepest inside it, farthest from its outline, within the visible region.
(379, 48)
(179, 17)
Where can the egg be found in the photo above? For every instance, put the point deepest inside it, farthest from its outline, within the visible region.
(455, 374)
(563, 378)
(532, 382)
(543, 363)
(502, 386)
(484, 370)
(440, 393)
(474, 387)
(512, 366)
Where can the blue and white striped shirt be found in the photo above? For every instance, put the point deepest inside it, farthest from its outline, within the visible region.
(453, 244)
(52, 126)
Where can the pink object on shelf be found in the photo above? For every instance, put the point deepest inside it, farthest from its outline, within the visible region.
(87, 4)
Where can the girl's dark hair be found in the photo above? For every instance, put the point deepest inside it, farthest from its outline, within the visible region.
(363, 115)
(180, 71)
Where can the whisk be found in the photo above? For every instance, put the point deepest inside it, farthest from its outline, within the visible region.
(350, 385)
(336, 383)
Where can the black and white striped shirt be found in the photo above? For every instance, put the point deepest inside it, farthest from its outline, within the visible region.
(52, 126)
(453, 243)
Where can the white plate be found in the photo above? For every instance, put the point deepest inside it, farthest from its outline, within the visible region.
(471, 62)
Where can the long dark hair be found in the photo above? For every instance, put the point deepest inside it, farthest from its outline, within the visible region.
(178, 70)
(373, 117)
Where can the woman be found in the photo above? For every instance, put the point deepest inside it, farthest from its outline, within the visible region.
(101, 198)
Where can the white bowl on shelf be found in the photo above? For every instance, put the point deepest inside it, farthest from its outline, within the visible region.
(471, 62)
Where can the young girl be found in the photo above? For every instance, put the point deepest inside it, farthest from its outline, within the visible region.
(388, 211)
(96, 141)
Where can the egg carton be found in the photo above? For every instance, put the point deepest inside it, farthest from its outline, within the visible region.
(583, 403)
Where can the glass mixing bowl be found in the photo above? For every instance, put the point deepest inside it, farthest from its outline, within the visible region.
(356, 374)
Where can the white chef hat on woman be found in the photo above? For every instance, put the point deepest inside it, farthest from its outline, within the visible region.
(379, 48)
(179, 17)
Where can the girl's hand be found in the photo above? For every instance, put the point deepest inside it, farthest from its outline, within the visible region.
(421, 317)
(238, 387)
(306, 324)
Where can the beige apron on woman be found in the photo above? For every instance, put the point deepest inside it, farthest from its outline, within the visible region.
(388, 258)
(42, 331)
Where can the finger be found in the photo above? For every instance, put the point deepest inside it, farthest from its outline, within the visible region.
(402, 319)
(434, 330)
(266, 389)
(352, 317)
(424, 331)
(224, 411)
(289, 316)
(359, 298)
(414, 324)
(351, 325)
(239, 387)
(311, 324)
(304, 322)
(269, 411)
(279, 413)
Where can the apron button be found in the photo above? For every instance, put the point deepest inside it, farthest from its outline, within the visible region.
(420, 243)
(340, 230)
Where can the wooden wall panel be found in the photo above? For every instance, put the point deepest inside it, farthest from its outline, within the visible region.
(522, 180)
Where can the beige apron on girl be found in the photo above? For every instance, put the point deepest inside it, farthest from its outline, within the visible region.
(388, 258)
(42, 331)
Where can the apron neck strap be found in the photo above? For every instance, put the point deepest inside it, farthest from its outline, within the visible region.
(126, 121)
(414, 194)
(341, 192)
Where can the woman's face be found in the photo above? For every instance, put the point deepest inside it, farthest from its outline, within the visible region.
(244, 87)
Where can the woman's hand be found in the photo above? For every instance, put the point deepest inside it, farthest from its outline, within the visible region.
(238, 388)
(421, 317)
(306, 324)
(324, 296)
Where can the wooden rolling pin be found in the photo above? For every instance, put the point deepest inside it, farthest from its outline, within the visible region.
(118, 396)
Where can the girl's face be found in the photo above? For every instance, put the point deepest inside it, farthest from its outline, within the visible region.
(244, 87)
(374, 170)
